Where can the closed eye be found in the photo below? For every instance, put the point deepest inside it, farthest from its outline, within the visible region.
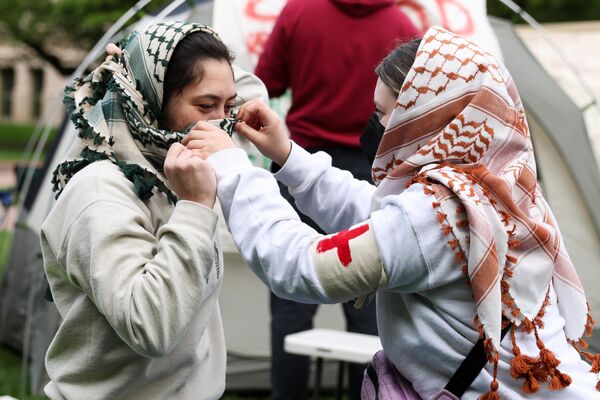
(206, 107)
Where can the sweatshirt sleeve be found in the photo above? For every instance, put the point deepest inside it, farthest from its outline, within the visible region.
(386, 251)
(310, 179)
(148, 285)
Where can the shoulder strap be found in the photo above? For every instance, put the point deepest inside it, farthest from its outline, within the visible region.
(470, 368)
(464, 375)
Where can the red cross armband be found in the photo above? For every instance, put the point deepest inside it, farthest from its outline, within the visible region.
(348, 263)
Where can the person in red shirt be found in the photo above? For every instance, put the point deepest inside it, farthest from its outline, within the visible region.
(325, 51)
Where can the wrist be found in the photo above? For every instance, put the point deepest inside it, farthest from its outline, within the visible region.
(282, 155)
(206, 201)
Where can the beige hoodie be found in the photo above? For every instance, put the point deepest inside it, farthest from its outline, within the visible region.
(136, 284)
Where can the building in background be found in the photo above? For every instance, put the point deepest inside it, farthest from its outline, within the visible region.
(29, 85)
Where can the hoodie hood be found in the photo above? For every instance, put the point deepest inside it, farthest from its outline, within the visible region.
(361, 8)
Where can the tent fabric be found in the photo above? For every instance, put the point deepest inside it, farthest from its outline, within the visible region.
(561, 139)
(556, 112)
(23, 261)
(580, 237)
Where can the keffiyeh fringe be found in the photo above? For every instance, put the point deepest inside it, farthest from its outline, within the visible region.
(535, 371)
(459, 129)
(115, 110)
(143, 179)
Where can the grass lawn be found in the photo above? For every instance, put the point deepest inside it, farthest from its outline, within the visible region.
(10, 362)
(4, 246)
(14, 138)
(10, 375)
(10, 154)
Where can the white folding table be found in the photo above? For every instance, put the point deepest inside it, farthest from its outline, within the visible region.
(334, 345)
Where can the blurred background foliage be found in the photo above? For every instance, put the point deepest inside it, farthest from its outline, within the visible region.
(549, 10)
(46, 26)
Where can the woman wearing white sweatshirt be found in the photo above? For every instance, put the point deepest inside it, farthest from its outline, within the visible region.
(455, 239)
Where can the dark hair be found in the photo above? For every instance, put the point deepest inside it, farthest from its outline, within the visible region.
(393, 68)
(185, 65)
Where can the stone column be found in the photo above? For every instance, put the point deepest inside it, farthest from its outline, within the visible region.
(21, 96)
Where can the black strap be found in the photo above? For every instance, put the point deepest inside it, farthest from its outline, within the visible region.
(373, 375)
(470, 368)
(464, 375)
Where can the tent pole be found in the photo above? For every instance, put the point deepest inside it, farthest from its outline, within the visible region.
(101, 44)
(43, 133)
(42, 130)
(165, 12)
(92, 55)
(43, 127)
(544, 35)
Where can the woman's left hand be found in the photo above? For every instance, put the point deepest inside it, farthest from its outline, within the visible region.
(205, 140)
(111, 51)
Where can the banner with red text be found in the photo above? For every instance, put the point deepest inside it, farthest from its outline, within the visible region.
(467, 18)
(244, 25)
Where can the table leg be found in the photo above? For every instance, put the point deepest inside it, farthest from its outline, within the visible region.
(340, 382)
(318, 373)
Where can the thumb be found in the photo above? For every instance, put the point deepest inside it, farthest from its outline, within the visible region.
(247, 131)
(112, 49)
(174, 151)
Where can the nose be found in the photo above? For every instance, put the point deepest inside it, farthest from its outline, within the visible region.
(220, 113)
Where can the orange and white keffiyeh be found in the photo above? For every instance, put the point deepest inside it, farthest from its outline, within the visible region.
(459, 128)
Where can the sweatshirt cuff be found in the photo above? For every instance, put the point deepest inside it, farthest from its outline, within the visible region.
(229, 162)
(293, 173)
(191, 213)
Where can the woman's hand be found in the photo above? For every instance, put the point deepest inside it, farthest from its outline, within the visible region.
(262, 126)
(112, 50)
(205, 140)
(190, 177)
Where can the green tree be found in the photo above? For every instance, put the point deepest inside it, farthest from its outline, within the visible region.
(47, 25)
(549, 10)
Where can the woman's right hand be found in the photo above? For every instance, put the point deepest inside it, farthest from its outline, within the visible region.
(262, 126)
(190, 177)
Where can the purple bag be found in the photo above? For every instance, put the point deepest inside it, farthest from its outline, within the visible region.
(382, 381)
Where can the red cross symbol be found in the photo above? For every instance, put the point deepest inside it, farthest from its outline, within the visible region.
(341, 243)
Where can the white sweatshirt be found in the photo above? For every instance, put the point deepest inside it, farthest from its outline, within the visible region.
(136, 284)
(425, 310)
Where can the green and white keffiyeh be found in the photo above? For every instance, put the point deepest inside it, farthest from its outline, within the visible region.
(116, 107)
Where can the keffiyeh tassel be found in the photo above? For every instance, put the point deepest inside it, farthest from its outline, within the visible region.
(459, 129)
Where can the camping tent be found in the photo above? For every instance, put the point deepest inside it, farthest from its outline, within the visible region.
(566, 164)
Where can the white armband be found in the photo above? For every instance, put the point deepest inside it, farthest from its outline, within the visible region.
(348, 263)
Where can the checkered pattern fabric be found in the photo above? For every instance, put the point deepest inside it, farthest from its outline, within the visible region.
(115, 110)
(459, 130)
